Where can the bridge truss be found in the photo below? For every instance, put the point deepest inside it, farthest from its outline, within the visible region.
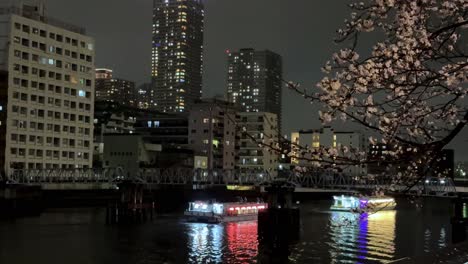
(191, 177)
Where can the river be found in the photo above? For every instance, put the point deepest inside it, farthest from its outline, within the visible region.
(80, 235)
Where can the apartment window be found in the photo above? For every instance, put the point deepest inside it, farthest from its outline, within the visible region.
(24, 69)
(26, 29)
(25, 42)
(22, 152)
(24, 83)
(24, 56)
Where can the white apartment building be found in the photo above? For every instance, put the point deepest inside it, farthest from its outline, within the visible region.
(50, 97)
(329, 138)
(253, 157)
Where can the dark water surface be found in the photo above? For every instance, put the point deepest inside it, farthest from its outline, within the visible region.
(81, 236)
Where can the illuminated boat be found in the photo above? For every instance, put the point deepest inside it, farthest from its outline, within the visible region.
(223, 212)
(363, 204)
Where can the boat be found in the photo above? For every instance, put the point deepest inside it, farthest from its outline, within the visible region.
(363, 204)
(206, 212)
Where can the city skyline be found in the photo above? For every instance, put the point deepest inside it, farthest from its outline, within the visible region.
(228, 25)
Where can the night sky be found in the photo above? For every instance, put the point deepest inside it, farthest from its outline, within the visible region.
(302, 31)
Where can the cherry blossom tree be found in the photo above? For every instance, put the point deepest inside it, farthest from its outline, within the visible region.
(409, 89)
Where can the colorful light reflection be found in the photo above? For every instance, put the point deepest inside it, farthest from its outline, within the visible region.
(361, 237)
(213, 243)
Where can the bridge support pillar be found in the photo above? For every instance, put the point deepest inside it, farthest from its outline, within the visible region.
(131, 207)
(279, 225)
(459, 221)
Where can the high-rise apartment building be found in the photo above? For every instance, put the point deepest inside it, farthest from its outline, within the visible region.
(49, 95)
(254, 81)
(109, 88)
(177, 53)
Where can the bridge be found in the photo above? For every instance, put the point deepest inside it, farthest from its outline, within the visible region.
(108, 178)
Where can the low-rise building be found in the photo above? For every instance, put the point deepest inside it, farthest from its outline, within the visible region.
(327, 137)
(212, 132)
(129, 152)
(168, 130)
(254, 157)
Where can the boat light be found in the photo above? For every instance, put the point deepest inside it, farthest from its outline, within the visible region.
(381, 200)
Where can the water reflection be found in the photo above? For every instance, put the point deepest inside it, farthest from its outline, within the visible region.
(355, 238)
(216, 243)
(205, 242)
(242, 241)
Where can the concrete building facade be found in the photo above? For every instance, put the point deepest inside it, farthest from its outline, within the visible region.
(254, 81)
(49, 102)
(256, 128)
(129, 152)
(177, 53)
(212, 133)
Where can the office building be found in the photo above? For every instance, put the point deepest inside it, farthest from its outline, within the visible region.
(255, 130)
(109, 88)
(177, 53)
(255, 80)
(50, 98)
